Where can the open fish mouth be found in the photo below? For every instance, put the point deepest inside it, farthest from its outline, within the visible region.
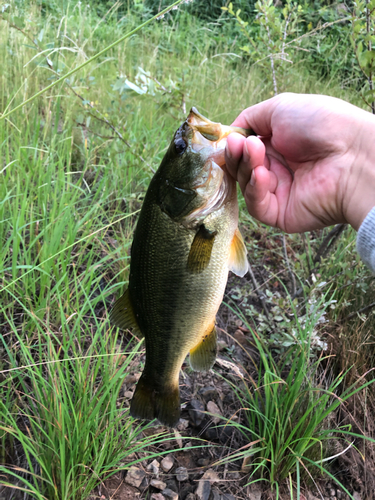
(208, 139)
(210, 135)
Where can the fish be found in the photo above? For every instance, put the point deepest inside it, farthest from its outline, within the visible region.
(185, 243)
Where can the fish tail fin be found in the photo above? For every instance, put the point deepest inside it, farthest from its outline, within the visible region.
(162, 403)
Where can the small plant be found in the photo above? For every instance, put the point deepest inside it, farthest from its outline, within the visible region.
(363, 24)
(285, 410)
(269, 46)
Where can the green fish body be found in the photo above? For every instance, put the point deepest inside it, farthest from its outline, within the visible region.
(185, 242)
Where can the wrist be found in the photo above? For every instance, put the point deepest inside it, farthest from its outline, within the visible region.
(360, 186)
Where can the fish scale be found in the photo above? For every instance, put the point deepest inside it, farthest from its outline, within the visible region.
(185, 242)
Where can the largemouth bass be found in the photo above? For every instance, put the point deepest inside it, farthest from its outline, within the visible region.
(185, 242)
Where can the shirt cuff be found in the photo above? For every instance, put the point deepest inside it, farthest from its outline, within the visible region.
(366, 240)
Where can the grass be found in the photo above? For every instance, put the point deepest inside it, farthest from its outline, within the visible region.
(288, 409)
(75, 164)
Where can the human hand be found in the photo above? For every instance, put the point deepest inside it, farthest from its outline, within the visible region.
(312, 166)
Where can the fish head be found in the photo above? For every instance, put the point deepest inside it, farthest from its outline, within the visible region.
(195, 181)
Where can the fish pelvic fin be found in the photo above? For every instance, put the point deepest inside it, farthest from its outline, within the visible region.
(122, 314)
(203, 355)
(149, 403)
(238, 262)
(201, 249)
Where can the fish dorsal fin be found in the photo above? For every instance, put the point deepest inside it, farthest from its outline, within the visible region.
(203, 355)
(238, 263)
(201, 249)
(122, 314)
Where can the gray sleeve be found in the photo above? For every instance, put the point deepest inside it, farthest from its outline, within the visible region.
(366, 240)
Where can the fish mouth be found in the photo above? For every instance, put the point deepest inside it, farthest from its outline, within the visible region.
(208, 139)
(211, 136)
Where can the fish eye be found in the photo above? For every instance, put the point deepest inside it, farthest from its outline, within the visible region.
(180, 145)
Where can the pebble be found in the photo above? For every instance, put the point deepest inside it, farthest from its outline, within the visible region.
(183, 424)
(221, 345)
(332, 492)
(128, 394)
(240, 337)
(214, 410)
(167, 463)
(154, 467)
(178, 437)
(170, 494)
(172, 485)
(255, 492)
(190, 496)
(157, 496)
(135, 476)
(204, 486)
(132, 378)
(211, 475)
(211, 433)
(203, 462)
(159, 485)
(196, 412)
(203, 490)
(182, 474)
(215, 494)
(310, 496)
(356, 496)
(235, 475)
(226, 433)
(208, 392)
(188, 446)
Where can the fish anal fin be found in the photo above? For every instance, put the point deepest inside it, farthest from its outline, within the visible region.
(201, 249)
(203, 355)
(238, 262)
(162, 403)
(122, 314)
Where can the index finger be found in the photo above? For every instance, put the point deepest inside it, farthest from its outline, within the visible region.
(258, 117)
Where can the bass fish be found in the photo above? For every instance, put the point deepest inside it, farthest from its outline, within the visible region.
(185, 242)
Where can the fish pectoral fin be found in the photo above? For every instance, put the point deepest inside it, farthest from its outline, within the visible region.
(122, 314)
(201, 249)
(203, 355)
(238, 262)
(162, 403)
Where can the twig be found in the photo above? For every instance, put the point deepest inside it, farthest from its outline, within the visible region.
(363, 309)
(284, 36)
(317, 29)
(271, 55)
(323, 250)
(259, 292)
(329, 241)
(291, 274)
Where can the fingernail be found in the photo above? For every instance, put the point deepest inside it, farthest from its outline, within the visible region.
(228, 153)
(252, 178)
